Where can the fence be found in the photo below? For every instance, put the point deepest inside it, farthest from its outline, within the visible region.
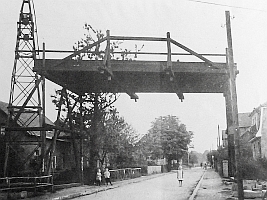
(127, 173)
(18, 184)
(154, 169)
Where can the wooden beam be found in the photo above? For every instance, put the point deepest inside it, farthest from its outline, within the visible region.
(137, 38)
(235, 128)
(29, 128)
(193, 53)
(138, 53)
(132, 66)
(27, 99)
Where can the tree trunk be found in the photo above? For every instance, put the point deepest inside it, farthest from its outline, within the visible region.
(93, 142)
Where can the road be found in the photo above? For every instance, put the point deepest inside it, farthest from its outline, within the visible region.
(161, 188)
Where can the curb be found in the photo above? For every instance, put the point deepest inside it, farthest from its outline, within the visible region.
(193, 195)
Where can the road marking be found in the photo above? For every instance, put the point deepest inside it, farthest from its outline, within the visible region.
(192, 197)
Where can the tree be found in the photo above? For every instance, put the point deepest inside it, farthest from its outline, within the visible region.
(97, 110)
(92, 108)
(118, 141)
(193, 158)
(167, 138)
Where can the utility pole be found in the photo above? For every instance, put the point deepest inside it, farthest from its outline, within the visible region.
(234, 129)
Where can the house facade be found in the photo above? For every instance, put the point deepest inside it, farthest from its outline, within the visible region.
(24, 155)
(259, 127)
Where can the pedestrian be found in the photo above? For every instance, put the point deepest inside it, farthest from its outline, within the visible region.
(98, 177)
(107, 176)
(180, 176)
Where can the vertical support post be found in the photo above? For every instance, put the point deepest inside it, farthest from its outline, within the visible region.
(43, 132)
(106, 61)
(6, 154)
(81, 140)
(56, 134)
(230, 136)
(235, 128)
(229, 121)
(108, 49)
(169, 59)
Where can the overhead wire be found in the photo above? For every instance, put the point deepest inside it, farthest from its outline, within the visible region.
(225, 5)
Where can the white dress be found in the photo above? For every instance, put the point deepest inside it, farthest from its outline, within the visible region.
(180, 174)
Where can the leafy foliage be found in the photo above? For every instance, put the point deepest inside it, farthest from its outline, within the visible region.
(193, 159)
(167, 138)
(117, 141)
(91, 35)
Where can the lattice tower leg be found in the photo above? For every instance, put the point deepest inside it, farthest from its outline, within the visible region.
(25, 108)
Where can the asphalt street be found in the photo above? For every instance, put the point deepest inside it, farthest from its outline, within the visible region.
(160, 188)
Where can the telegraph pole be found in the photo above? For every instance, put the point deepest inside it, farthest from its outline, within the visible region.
(234, 129)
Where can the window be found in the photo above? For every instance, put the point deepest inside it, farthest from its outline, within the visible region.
(54, 163)
(37, 152)
(3, 130)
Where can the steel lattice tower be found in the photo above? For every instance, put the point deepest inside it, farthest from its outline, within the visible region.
(26, 94)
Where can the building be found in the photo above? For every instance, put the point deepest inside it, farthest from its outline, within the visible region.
(244, 121)
(24, 156)
(259, 128)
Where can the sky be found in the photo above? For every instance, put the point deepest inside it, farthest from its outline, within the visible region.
(199, 25)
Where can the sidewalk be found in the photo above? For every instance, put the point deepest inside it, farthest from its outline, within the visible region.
(74, 192)
(212, 186)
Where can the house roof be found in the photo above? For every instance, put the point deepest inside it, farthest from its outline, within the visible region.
(244, 120)
(29, 120)
(257, 110)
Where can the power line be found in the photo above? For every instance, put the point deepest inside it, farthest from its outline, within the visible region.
(224, 5)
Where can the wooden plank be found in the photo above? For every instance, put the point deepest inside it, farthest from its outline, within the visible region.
(137, 38)
(193, 53)
(131, 66)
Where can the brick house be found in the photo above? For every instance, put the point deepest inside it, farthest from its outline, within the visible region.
(27, 150)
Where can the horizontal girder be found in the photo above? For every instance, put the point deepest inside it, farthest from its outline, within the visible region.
(135, 76)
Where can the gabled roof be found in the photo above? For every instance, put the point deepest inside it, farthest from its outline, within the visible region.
(257, 110)
(244, 120)
(24, 121)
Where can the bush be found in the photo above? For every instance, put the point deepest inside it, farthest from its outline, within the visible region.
(253, 169)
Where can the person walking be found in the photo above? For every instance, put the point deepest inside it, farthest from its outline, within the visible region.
(98, 177)
(107, 176)
(180, 176)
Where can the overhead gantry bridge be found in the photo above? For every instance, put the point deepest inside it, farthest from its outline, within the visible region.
(138, 76)
(135, 76)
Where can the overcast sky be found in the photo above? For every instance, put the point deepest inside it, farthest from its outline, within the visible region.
(199, 25)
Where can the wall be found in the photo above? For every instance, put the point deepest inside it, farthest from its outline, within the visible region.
(256, 148)
(65, 156)
(264, 132)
